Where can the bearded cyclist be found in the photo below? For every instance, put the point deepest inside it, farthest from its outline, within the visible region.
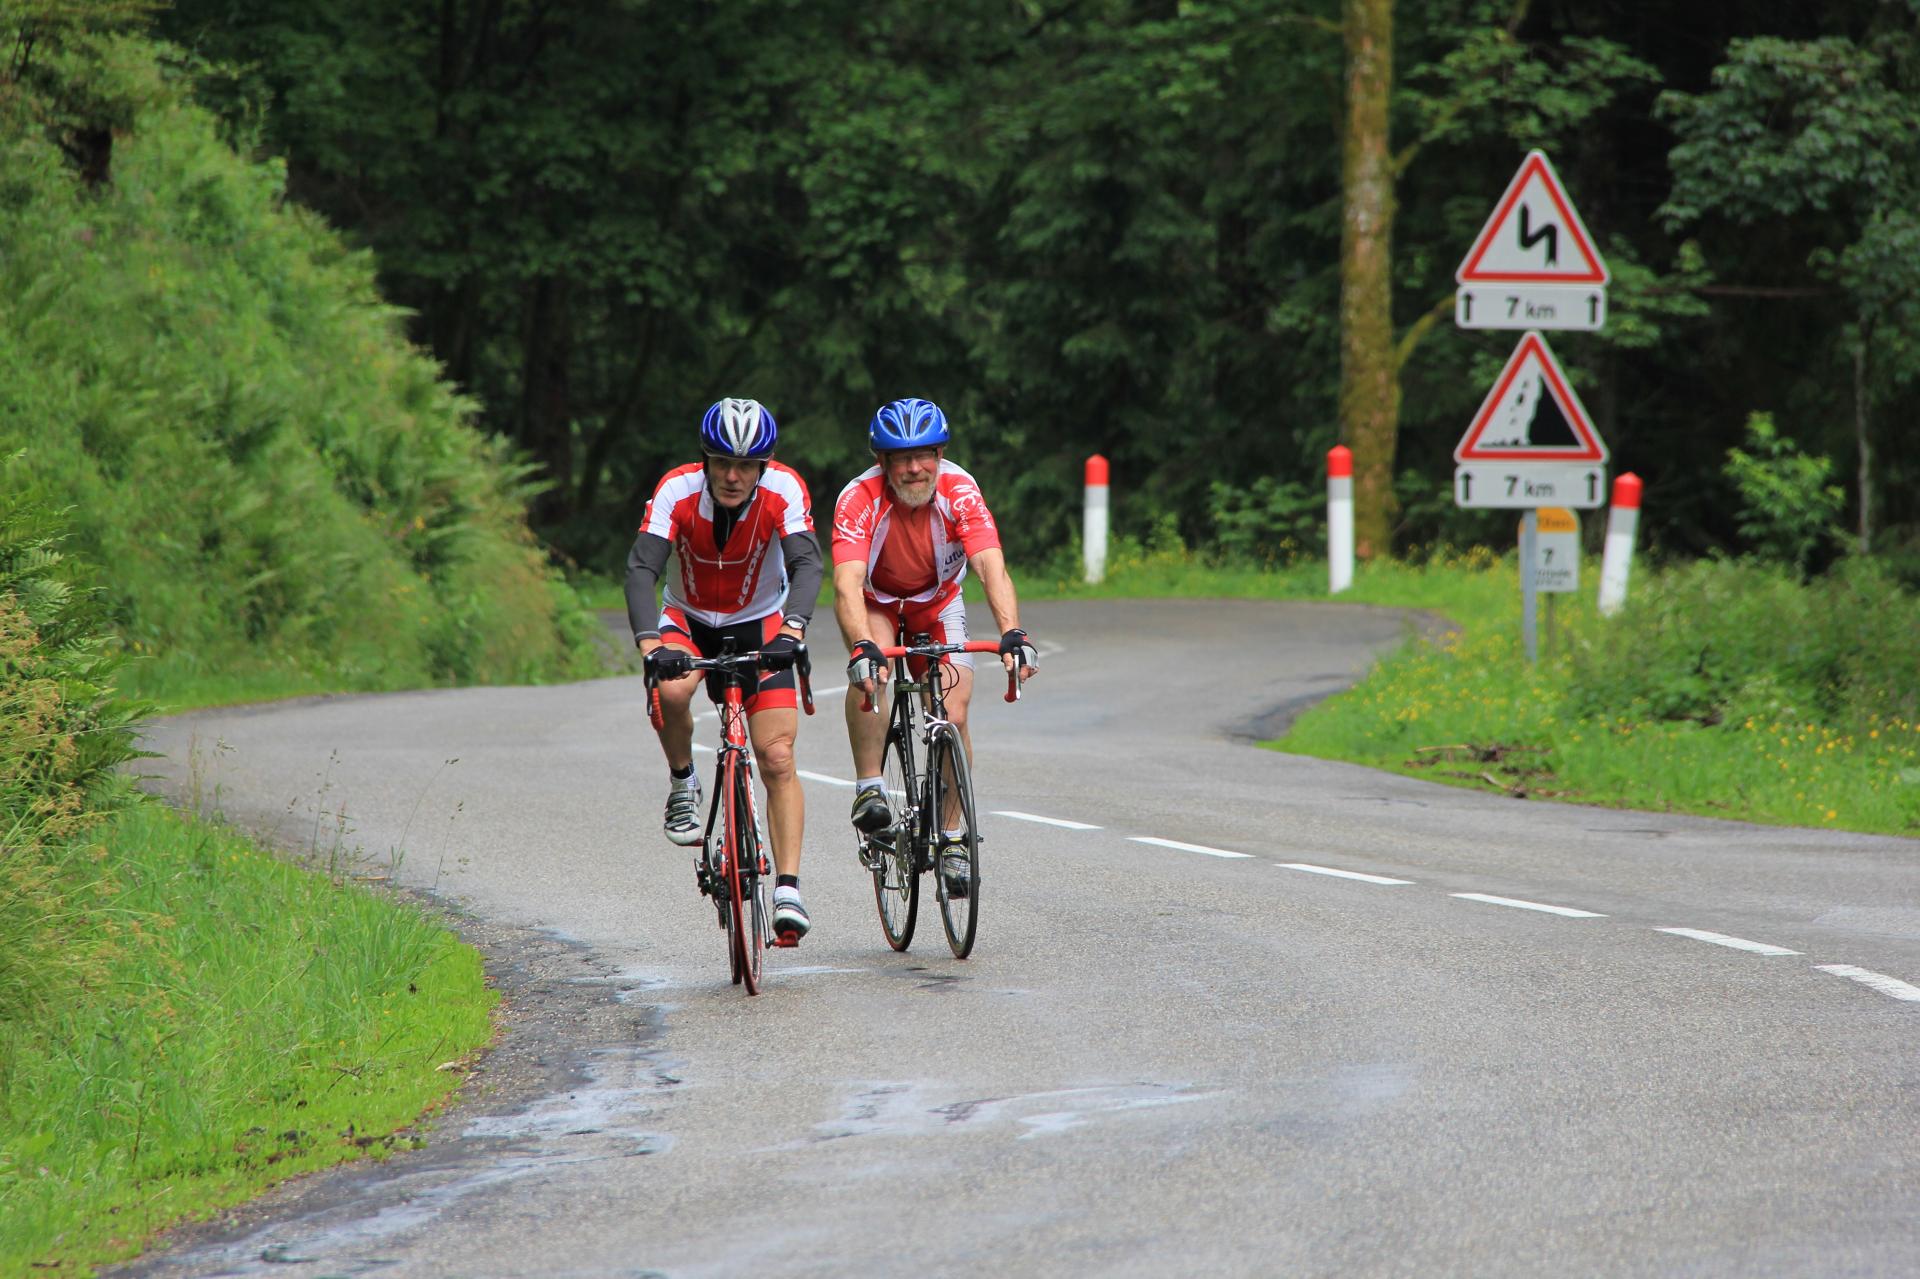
(741, 528)
(905, 532)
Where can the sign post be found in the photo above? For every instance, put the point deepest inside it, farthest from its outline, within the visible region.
(1532, 446)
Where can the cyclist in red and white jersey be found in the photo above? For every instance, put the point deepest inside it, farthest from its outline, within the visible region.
(740, 527)
(905, 532)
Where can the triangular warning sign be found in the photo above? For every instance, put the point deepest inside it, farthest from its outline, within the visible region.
(1533, 236)
(1531, 415)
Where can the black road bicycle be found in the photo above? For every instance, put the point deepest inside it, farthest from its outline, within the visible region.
(732, 866)
(930, 790)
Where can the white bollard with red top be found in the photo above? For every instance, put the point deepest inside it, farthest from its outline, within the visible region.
(1093, 539)
(1339, 519)
(1622, 521)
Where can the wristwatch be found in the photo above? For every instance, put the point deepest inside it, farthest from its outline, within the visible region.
(795, 623)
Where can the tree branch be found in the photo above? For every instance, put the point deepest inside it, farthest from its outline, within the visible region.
(1418, 330)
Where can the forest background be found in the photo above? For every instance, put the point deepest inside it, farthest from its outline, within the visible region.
(1109, 227)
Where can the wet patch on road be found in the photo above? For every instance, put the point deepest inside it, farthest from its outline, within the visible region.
(914, 1109)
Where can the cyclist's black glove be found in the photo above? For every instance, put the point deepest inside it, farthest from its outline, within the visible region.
(1016, 644)
(867, 659)
(779, 653)
(667, 663)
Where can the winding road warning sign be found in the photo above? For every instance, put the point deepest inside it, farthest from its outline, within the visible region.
(1533, 236)
(1531, 414)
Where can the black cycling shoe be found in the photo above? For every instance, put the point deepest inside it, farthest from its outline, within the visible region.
(871, 813)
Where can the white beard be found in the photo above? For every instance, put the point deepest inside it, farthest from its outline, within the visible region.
(911, 503)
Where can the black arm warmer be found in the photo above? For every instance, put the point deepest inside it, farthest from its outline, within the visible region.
(644, 562)
(805, 571)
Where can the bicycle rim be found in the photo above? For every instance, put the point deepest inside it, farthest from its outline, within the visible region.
(751, 888)
(729, 885)
(957, 840)
(896, 884)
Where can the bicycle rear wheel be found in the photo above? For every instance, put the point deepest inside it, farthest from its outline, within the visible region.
(890, 853)
(952, 833)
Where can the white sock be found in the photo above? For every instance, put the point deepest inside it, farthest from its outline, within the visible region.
(869, 783)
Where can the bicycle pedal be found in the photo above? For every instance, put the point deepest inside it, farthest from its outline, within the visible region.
(786, 941)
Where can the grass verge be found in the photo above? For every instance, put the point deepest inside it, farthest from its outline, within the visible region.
(247, 1020)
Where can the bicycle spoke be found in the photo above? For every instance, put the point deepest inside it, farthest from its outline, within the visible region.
(956, 841)
(896, 888)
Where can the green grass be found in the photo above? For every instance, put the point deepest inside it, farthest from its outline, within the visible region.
(248, 1020)
(1766, 745)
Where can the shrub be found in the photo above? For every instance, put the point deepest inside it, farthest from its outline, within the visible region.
(1788, 510)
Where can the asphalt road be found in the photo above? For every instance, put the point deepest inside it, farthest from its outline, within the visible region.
(1338, 1023)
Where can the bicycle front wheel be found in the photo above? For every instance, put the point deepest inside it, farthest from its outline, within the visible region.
(956, 840)
(749, 885)
(890, 853)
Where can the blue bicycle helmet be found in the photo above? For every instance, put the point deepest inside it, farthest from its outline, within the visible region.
(908, 424)
(738, 428)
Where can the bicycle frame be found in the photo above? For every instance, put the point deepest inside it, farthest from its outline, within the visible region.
(933, 796)
(737, 880)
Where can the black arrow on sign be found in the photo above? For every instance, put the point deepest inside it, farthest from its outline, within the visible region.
(1529, 237)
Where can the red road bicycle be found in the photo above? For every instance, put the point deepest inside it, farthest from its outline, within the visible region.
(732, 866)
(930, 790)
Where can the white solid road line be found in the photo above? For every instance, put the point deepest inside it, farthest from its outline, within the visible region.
(1343, 874)
(1736, 943)
(1878, 981)
(1186, 848)
(822, 777)
(1568, 911)
(1061, 822)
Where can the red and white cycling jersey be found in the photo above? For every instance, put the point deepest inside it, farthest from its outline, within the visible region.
(913, 555)
(745, 580)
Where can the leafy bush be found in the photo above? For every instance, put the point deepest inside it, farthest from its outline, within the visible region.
(1269, 521)
(1788, 510)
(1720, 641)
(62, 735)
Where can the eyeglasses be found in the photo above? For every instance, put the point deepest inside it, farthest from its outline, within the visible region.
(912, 457)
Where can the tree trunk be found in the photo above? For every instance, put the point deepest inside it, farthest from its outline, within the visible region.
(1369, 381)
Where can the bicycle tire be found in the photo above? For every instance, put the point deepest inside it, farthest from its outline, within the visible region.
(750, 887)
(893, 853)
(950, 807)
(728, 887)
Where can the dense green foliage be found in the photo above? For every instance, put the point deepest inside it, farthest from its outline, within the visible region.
(62, 733)
(268, 477)
(1107, 226)
(1732, 689)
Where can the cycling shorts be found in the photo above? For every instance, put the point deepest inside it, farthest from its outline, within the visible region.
(777, 688)
(943, 619)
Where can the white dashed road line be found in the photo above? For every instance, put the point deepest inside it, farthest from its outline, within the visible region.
(1343, 874)
(1186, 848)
(1061, 822)
(1736, 943)
(1891, 986)
(1568, 911)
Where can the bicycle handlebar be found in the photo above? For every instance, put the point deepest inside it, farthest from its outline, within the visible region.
(740, 664)
(891, 651)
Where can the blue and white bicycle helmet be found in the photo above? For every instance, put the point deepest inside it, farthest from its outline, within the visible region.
(908, 424)
(738, 428)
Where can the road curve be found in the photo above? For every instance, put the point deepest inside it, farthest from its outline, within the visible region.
(1231, 1012)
